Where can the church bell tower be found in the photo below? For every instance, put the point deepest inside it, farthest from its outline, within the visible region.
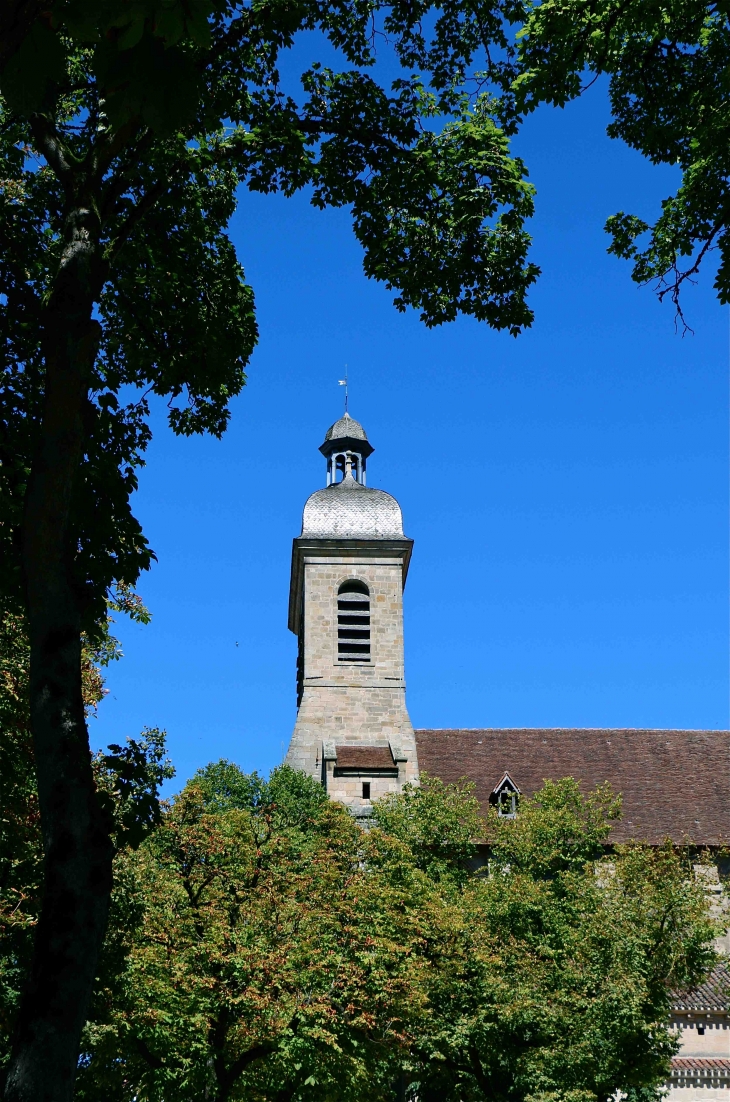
(349, 568)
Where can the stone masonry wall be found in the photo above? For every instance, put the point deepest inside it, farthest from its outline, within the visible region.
(352, 703)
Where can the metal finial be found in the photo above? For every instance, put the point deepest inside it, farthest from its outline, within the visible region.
(343, 382)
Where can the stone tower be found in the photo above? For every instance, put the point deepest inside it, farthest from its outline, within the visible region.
(349, 568)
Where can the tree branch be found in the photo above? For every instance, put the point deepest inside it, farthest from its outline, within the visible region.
(319, 128)
(110, 146)
(119, 182)
(152, 1058)
(143, 207)
(53, 149)
(227, 1080)
(673, 288)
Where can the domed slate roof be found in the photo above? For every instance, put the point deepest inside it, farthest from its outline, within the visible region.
(346, 428)
(349, 509)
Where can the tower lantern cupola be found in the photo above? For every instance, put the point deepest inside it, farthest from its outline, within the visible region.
(346, 449)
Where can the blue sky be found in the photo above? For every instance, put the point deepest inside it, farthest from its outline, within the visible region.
(567, 491)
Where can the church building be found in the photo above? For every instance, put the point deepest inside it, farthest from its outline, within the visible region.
(353, 732)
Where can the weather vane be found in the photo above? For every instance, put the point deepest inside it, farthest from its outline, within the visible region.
(343, 382)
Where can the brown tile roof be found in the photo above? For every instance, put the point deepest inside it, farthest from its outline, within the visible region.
(364, 758)
(701, 1063)
(674, 784)
(713, 994)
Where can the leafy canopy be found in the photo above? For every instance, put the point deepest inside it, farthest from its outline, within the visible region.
(256, 953)
(127, 132)
(554, 982)
(135, 127)
(667, 70)
(263, 946)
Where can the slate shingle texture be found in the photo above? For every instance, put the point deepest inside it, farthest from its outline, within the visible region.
(674, 784)
(349, 510)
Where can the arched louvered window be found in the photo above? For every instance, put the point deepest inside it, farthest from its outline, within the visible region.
(353, 622)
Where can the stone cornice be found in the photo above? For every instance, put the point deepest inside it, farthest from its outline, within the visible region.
(337, 550)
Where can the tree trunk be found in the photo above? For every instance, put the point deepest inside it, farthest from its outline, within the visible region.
(77, 847)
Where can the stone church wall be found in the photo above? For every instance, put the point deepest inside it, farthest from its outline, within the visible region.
(352, 703)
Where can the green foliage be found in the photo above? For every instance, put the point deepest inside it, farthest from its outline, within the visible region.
(127, 132)
(260, 952)
(21, 857)
(667, 67)
(138, 53)
(128, 780)
(259, 959)
(142, 121)
(438, 822)
(559, 830)
(223, 787)
(291, 797)
(557, 985)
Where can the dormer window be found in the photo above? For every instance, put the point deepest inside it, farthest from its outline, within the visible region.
(353, 622)
(505, 797)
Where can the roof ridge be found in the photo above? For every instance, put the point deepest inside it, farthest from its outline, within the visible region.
(643, 730)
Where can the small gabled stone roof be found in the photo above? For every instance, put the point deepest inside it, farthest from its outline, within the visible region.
(674, 784)
(365, 758)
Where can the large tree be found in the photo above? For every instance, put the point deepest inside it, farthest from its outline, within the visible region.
(263, 947)
(125, 132)
(128, 777)
(257, 951)
(552, 977)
